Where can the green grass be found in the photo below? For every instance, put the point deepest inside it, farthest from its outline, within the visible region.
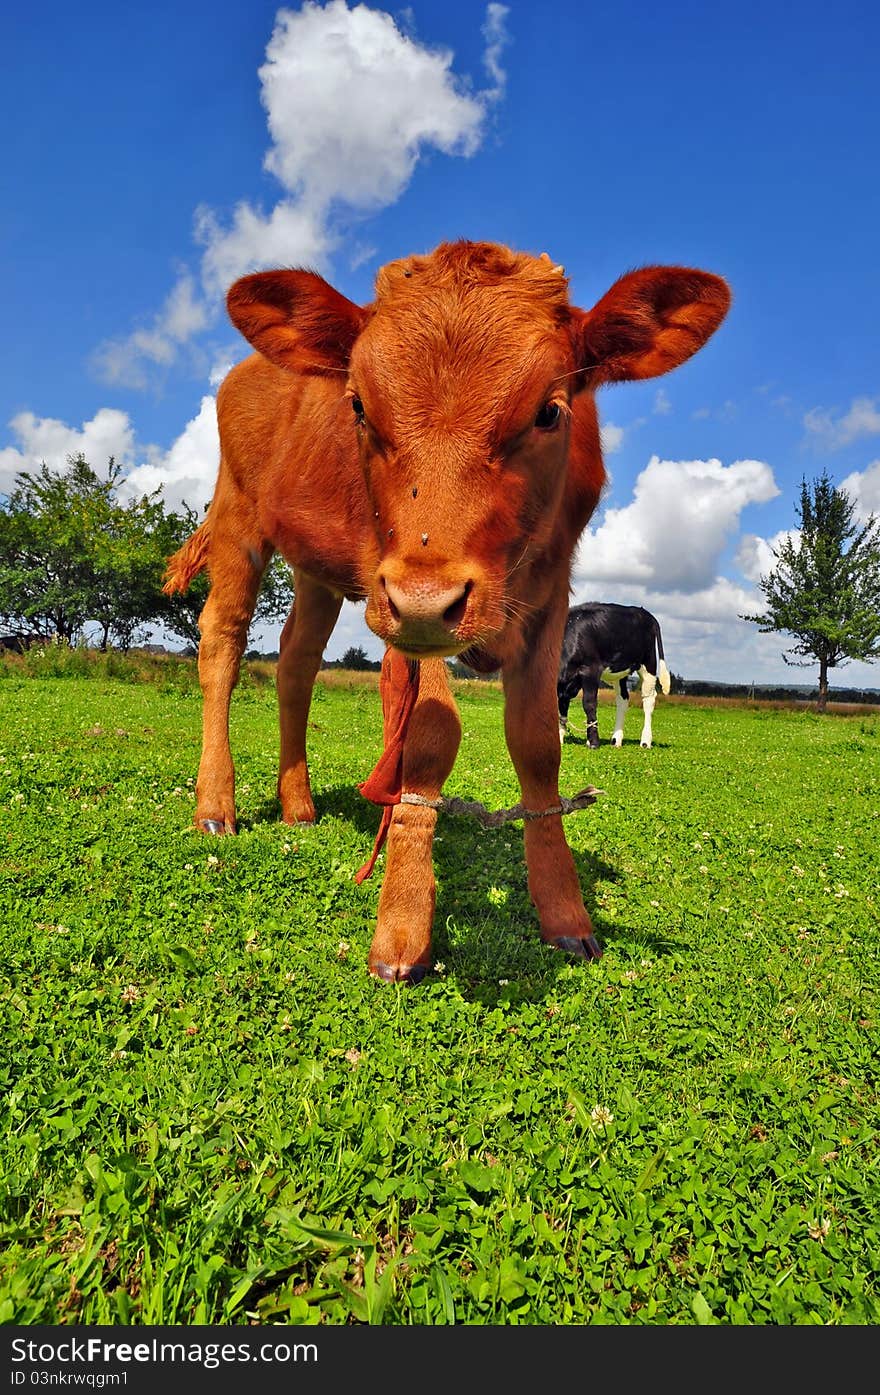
(213, 1115)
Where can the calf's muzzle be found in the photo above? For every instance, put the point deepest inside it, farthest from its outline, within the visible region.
(423, 611)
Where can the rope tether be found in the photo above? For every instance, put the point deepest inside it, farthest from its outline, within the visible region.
(494, 818)
(399, 686)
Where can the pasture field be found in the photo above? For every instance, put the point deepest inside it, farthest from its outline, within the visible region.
(213, 1115)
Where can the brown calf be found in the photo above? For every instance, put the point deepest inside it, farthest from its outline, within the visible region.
(436, 453)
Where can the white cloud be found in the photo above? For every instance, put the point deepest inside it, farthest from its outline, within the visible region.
(288, 236)
(755, 556)
(187, 471)
(673, 532)
(862, 419)
(496, 36)
(352, 103)
(863, 487)
(220, 367)
(40, 439)
(662, 405)
(184, 314)
(611, 437)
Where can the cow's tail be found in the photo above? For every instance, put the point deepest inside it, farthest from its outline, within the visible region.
(662, 670)
(188, 561)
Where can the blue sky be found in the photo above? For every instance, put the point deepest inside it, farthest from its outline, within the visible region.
(742, 139)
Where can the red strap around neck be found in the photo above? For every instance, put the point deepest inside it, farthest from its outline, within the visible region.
(399, 687)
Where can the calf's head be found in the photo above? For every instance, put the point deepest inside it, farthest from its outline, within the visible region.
(462, 377)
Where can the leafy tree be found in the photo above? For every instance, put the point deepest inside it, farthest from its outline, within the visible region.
(48, 528)
(356, 658)
(73, 553)
(129, 563)
(825, 587)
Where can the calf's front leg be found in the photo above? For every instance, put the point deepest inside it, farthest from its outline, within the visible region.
(401, 948)
(530, 722)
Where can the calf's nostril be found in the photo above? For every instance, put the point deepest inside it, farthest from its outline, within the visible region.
(454, 613)
(395, 613)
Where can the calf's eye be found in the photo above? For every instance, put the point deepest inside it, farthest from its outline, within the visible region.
(548, 417)
(357, 407)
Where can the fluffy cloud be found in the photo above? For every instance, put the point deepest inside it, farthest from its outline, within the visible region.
(611, 437)
(186, 471)
(673, 532)
(862, 419)
(288, 236)
(755, 556)
(184, 314)
(352, 103)
(863, 487)
(109, 432)
(495, 34)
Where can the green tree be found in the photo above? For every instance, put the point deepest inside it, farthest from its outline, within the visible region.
(825, 587)
(129, 558)
(76, 550)
(48, 527)
(356, 658)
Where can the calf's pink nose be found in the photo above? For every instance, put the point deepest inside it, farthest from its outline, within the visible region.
(425, 604)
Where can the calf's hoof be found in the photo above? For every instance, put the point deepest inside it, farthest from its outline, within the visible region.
(214, 826)
(584, 946)
(399, 973)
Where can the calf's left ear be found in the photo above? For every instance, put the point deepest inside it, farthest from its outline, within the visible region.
(648, 323)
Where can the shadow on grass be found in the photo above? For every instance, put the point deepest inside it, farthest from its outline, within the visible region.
(486, 929)
(485, 926)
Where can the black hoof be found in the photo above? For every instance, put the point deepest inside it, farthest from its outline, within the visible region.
(388, 975)
(212, 825)
(586, 947)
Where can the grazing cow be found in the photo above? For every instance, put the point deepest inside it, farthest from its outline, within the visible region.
(436, 453)
(605, 644)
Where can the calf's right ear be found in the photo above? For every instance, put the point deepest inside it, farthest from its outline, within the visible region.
(296, 319)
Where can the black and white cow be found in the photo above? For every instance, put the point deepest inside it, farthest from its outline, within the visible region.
(606, 643)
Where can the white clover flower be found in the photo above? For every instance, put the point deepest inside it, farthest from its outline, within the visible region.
(601, 1116)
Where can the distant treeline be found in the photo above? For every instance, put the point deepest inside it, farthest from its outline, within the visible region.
(768, 692)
